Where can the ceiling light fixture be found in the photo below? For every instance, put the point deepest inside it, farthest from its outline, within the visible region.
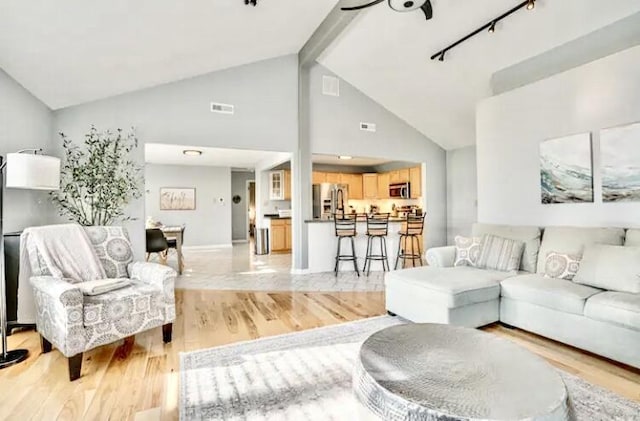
(251, 2)
(345, 157)
(192, 152)
(399, 6)
(490, 26)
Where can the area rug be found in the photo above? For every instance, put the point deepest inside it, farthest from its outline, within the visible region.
(307, 376)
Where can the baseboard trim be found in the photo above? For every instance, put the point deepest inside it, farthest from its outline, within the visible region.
(239, 241)
(207, 247)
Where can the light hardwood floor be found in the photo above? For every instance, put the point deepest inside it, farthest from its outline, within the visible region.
(139, 381)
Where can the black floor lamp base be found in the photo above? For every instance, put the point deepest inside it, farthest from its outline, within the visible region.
(13, 357)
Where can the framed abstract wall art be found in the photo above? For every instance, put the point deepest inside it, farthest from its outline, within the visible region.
(177, 198)
(620, 160)
(566, 170)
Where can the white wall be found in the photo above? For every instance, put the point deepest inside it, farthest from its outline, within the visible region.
(265, 96)
(462, 191)
(510, 127)
(25, 122)
(210, 223)
(334, 124)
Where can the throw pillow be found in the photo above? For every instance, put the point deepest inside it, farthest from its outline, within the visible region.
(616, 268)
(561, 265)
(113, 248)
(497, 253)
(467, 251)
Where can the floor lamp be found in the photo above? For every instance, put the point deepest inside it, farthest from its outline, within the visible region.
(25, 170)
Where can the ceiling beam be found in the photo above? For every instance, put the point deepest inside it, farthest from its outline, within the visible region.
(331, 27)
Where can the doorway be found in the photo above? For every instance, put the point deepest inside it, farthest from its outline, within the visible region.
(251, 209)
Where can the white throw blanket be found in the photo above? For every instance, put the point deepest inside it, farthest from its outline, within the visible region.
(65, 250)
(100, 286)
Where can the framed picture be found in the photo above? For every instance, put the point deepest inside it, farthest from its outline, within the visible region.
(620, 158)
(566, 170)
(177, 198)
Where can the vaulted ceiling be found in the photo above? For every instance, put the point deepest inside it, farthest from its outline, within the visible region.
(68, 52)
(71, 51)
(386, 55)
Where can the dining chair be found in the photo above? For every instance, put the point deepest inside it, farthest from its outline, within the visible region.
(157, 243)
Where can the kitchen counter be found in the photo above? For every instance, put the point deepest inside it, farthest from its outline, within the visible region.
(359, 219)
(323, 245)
(275, 216)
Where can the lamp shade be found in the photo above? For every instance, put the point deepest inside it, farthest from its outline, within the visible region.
(31, 171)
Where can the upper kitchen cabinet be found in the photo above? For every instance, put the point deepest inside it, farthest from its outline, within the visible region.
(277, 185)
(287, 185)
(383, 185)
(333, 178)
(415, 178)
(354, 181)
(370, 186)
(319, 177)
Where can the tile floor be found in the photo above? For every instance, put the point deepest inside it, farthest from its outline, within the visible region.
(238, 269)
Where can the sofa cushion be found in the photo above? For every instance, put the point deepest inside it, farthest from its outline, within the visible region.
(632, 237)
(620, 308)
(557, 294)
(467, 250)
(572, 240)
(113, 248)
(451, 286)
(529, 235)
(615, 268)
(498, 253)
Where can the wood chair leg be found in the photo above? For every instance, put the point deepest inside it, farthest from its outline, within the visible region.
(167, 332)
(45, 345)
(75, 367)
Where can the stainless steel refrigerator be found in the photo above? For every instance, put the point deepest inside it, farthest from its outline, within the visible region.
(329, 199)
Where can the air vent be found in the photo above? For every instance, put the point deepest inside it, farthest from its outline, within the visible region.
(368, 127)
(221, 108)
(330, 86)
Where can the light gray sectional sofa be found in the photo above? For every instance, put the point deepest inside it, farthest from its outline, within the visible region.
(600, 321)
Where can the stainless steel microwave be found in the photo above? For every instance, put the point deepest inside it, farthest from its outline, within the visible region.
(400, 190)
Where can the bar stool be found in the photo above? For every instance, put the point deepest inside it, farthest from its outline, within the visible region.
(412, 230)
(377, 227)
(345, 225)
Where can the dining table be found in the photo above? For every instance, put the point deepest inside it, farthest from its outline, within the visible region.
(175, 232)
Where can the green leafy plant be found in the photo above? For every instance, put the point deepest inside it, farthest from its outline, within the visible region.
(98, 179)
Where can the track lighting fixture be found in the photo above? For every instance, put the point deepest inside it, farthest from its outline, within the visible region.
(489, 26)
(251, 2)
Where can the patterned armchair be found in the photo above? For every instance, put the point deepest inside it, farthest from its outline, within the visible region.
(74, 323)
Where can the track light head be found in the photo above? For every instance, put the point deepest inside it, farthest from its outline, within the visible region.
(531, 4)
(441, 58)
(492, 28)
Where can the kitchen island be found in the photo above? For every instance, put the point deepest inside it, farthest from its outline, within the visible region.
(323, 245)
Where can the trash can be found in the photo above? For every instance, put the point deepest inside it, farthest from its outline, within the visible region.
(262, 241)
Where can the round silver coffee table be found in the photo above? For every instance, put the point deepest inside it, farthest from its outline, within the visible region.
(444, 372)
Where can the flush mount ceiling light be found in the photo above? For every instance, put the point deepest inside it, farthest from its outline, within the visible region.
(489, 26)
(401, 6)
(192, 152)
(345, 157)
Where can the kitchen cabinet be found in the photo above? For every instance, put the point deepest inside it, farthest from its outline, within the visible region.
(370, 186)
(319, 177)
(394, 176)
(415, 178)
(383, 185)
(404, 175)
(280, 235)
(333, 177)
(276, 185)
(287, 185)
(354, 181)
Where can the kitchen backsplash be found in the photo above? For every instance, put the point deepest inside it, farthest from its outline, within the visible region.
(385, 205)
(272, 206)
